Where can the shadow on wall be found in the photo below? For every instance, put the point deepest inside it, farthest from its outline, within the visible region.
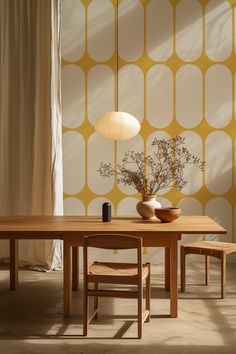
(219, 173)
(73, 44)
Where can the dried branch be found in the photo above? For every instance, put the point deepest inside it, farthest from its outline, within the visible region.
(149, 174)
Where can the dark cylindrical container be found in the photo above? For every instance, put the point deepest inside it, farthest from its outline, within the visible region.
(106, 212)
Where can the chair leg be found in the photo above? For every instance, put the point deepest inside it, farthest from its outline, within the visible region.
(140, 310)
(207, 269)
(85, 312)
(96, 300)
(223, 274)
(148, 292)
(183, 268)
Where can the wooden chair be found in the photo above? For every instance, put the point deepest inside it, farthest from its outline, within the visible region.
(115, 273)
(207, 248)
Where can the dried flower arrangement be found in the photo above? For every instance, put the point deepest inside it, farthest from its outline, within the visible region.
(149, 174)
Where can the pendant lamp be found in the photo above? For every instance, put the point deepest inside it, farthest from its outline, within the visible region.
(117, 125)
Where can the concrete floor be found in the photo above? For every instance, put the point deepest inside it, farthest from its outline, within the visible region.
(31, 318)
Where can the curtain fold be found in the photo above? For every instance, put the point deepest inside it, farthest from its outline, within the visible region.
(30, 121)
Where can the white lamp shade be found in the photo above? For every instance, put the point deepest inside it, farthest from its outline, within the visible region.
(117, 125)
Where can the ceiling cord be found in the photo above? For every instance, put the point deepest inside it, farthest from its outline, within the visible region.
(117, 56)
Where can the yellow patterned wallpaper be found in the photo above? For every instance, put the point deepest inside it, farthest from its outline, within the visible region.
(176, 75)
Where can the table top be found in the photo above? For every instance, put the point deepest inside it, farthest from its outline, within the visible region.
(71, 224)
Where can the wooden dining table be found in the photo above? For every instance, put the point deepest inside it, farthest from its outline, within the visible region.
(71, 230)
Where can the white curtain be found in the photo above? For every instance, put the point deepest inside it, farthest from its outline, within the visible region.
(30, 121)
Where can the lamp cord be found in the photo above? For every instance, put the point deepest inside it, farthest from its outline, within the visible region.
(117, 56)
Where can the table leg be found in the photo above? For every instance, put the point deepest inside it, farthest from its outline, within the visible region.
(167, 268)
(13, 264)
(67, 279)
(75, 272)
(174, 277)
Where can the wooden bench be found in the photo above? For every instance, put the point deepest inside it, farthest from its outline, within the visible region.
(207, 248)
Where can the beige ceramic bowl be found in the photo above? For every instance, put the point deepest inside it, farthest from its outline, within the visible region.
(167, 214)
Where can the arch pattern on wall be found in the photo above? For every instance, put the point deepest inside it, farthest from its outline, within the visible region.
(176, 75)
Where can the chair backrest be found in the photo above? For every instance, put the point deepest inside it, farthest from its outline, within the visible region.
(113, 241)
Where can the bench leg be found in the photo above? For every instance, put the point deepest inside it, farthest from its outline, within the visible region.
(223, 274)
(183, 269)
(174, 277)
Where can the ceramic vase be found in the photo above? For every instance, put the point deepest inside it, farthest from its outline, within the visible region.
(146, 207)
